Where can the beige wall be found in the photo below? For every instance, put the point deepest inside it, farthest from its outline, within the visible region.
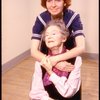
(88, 10)
(18, 16)
(15, 28)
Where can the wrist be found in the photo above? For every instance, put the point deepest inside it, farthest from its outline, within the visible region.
(50, 72)
(57, 58)
(61, 57)
(43, 59)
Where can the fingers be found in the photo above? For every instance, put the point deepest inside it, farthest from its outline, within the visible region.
(65, 66)
(68, 69)
(69, 64)
(45, 62)
(47, 65)
(53, 60)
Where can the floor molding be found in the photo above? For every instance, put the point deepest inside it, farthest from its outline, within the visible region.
(10, 64)
(93, 56)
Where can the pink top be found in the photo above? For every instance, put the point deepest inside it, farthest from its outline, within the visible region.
(66, 87)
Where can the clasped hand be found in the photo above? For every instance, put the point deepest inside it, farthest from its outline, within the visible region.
(49, 61)
(61, 65)
(47, 64)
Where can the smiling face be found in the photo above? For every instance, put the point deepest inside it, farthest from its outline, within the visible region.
(54, 39)
(55, 7)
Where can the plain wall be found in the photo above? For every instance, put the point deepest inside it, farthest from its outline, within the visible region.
(89, 12)
(16, 31)
(18, 17)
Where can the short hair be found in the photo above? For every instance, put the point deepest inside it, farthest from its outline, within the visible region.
(59, 23)
(67, 3)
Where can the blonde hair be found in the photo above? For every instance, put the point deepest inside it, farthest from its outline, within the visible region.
(67, 3)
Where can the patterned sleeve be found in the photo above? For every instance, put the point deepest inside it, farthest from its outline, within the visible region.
(77, 25)
(37, 29)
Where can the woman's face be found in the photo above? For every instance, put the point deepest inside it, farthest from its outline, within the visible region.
(54, 37)
(55, 7)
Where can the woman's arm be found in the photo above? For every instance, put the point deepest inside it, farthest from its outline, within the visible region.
(68, 87)
(38, 55)
(35, 50)
(37, 28)
(77, 50)
(37, 89)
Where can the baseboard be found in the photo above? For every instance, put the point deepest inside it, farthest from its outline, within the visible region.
(10, 64)
(93, 56)
(26, 54)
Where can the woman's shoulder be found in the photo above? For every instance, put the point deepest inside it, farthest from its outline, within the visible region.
(45, 15)
(69, 15)
(69, 11)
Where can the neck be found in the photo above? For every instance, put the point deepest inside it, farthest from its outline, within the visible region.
(60, 16)
(56, 50)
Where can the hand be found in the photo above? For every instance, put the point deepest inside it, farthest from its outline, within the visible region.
(47, 64)
(53, 60)
(64, 66)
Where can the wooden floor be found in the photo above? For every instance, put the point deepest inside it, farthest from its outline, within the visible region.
(16, 82)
